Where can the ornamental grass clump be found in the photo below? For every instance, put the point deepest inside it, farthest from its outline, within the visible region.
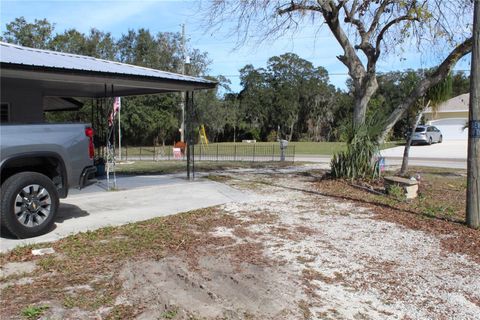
(359, 161)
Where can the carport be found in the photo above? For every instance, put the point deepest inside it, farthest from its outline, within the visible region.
(34, 80)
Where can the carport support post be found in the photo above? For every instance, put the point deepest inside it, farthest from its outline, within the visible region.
(190, 136)
(473, 164)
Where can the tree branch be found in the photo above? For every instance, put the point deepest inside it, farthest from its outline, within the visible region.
(438, 75)
(377, 15)
(349, 17)
(298, 7)
(385, 29)
(331, 16)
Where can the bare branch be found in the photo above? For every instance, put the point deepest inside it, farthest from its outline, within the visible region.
(298, 7)
(386, 28)
(349, 17)
(440, 73)
(331, 15)
(376, 17)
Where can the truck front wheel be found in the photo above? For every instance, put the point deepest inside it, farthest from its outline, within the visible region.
(29, 203)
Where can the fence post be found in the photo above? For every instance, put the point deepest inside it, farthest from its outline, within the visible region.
(235, 152)
(254, 152)
(154, 153)
(273, 152)
(217, 151)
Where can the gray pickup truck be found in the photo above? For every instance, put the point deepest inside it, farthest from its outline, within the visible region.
(39, 163)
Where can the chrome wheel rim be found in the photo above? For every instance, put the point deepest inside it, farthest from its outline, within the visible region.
(32, 205)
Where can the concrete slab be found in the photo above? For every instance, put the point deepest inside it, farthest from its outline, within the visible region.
(449, 150)
(140, 198)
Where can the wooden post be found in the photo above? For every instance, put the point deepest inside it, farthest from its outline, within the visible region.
(473, 166)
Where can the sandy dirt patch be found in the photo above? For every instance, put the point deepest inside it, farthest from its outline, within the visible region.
(329, 260)
(292, 253)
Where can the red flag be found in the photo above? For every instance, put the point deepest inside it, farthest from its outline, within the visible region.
(116, 108)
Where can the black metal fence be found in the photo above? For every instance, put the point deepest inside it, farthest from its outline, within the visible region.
(253, 152)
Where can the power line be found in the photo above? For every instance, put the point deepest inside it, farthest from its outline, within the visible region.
(338, 74)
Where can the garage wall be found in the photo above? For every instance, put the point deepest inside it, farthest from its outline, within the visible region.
(25, 101)
(452, 129)
(445, 115)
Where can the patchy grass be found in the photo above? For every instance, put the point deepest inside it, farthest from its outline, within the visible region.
(34, 312)
(441, 194)
(84, 273)
(88, 262)
(120, 312)
(166, 167)
(170, 314)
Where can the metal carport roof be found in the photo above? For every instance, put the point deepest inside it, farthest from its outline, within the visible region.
(71, 75)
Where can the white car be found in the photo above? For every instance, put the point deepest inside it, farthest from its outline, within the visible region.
(427, 134)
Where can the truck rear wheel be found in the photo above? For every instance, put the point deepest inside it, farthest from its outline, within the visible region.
(29, 203)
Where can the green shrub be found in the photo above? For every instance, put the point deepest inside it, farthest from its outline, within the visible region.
(396, 192)
(272, 136)
(359, 160)
(255, 134)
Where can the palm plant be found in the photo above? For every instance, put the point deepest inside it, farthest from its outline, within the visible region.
(359, 160)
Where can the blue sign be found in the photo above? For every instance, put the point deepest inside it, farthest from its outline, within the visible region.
(474, 129)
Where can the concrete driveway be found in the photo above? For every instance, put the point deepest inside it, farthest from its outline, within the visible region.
(139, 198)
(450, 154)
(453, 149)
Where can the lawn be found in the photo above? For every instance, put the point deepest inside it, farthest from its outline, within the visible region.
(225, 148)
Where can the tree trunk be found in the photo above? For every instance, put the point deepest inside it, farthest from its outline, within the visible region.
(290, 136)
(363, 94)
(317, 130)
(406, 151)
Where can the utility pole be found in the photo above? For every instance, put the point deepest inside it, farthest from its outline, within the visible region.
(473, 166)
(182, 127)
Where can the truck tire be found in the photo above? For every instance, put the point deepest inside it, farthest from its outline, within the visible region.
(29, 203)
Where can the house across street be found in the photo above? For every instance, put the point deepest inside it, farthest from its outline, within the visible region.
(450, 117)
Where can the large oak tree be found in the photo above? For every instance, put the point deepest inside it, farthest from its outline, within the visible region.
(366, 31)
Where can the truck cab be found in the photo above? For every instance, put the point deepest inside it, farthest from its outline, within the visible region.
(39, 163)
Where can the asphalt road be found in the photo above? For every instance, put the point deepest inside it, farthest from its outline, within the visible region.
(449, 154)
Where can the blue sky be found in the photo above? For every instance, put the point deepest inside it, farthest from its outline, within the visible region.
(119, 16)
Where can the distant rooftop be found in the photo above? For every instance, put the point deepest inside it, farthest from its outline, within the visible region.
(18, 62)
(456, 104)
